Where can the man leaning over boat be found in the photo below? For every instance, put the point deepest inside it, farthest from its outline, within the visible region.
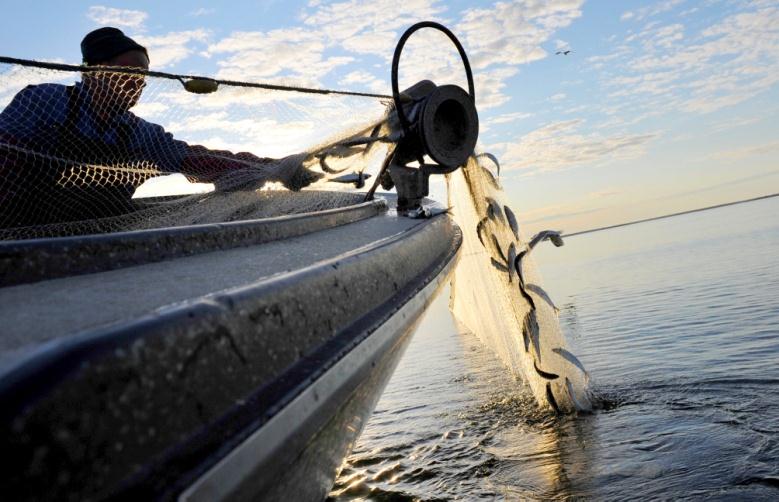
(77, 152)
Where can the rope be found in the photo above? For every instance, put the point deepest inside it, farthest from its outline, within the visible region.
(172, 76)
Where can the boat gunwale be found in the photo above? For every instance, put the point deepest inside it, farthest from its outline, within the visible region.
(34, 260)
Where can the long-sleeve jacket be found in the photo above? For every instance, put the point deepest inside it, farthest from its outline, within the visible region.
(62, 160)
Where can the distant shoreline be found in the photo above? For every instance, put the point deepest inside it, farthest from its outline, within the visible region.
(671, 215)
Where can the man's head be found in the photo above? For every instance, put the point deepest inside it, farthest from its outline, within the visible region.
(115, 93)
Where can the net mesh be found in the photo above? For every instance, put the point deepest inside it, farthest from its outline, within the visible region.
(496, 292)
(105, 151)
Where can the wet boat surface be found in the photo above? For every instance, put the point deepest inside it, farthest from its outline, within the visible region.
(230, 373)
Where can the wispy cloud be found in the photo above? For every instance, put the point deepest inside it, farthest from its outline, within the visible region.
(123, 18)
(364, 80)
(170, 48)
(770, 147)
(557, 97)
(651, 10)
(607, 192)
(506, 118)
(513, 33)
(202, 11)
(670, 68)
(295, 55)
(562, 145)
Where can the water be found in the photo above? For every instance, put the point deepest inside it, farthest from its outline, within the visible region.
(677, 321)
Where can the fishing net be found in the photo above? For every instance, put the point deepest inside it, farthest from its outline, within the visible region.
(497, 294)
(104, 150)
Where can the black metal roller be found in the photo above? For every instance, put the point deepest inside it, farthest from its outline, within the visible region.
(449, 126)
(396, 61)
(443, 125)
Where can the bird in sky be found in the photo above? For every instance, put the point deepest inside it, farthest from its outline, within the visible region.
(564, 53)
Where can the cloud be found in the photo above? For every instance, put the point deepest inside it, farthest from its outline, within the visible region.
(771, 147)
(349, 33)
(507, 118)
(151, 109)
(202, 11)
(668, 68)
(360, 21)
(562, 145)
(651, 10)
(265, 135)
(171, 48)
(294, 56)
(382, 42)
(123, 18)
(570, 208)
(735, 123)
(513, 33)
(344, 41)
(607, 192)
(364, 80)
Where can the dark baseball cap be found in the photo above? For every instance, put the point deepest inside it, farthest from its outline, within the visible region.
(103, 44)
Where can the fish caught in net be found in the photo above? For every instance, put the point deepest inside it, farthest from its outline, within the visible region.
(496, 291)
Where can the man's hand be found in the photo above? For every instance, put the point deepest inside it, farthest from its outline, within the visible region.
(292, 172)
(251, 172)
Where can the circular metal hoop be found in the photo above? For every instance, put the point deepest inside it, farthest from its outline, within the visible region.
(396, 61)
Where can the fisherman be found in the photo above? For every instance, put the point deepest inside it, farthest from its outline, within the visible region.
(77, 152)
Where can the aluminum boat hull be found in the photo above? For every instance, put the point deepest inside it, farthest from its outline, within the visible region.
(250, 381)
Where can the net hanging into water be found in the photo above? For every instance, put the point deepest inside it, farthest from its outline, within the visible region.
(497, 294)
(88, 151)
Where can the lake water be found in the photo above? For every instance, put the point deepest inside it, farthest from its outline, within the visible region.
(677, 321)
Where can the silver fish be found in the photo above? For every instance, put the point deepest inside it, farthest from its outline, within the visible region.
(498, 265)
(578, 404)
(552, 235)
(498, 251)
(531, 324)
(518, 266)
(492, 158)
(512, 221)
(551, 399)
(571, 359)
(512, 256)
(545, 374)
(479, 229)
(493, 210)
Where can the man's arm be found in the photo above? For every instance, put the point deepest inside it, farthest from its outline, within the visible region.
(197, 162)
(225, 169)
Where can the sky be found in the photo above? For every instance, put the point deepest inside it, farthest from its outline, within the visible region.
(659, 107)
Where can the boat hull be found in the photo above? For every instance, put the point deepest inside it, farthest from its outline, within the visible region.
(242, 392)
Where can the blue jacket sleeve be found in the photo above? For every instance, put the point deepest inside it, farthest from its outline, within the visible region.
(158, 145)
(34, 110)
